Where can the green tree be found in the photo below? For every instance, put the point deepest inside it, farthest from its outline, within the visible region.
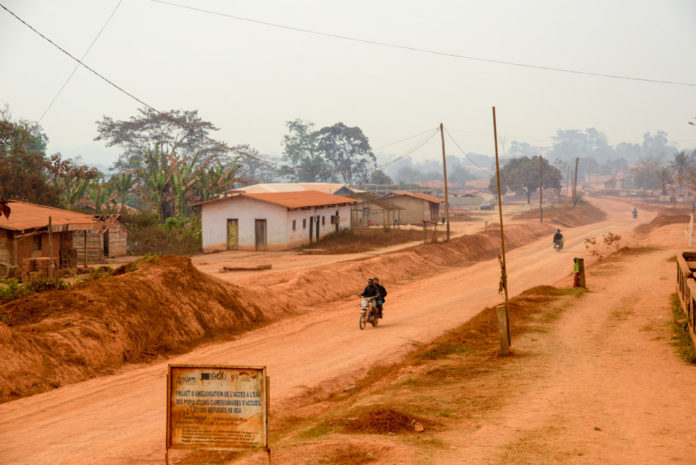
(645, 172)
(332, 152)
(521, 175)
(680, 164)
(664, 179)
(176, 131)
(301, 153)
(23, 164)
(379, 177)
(346, 150)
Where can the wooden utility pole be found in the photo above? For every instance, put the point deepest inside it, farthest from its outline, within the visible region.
(502, 234)
(541, 190)
(575, 182)
(444, 168)
(50, 249)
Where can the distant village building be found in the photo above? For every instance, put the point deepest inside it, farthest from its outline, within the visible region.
(416, 206)
(25, 239)
(271, 220)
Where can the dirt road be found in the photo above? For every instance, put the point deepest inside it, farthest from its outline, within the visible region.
(120, 419)
(604, 387)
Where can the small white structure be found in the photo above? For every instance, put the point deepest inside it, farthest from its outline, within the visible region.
(271, 220)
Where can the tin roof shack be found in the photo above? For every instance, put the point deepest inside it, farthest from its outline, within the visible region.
(417, 207)
(271, 220)
(27, 245)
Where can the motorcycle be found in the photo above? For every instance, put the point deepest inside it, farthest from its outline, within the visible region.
(558, 245)
(368, 312)
(635, 214)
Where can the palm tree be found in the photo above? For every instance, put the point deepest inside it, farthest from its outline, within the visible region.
(664, 178)
(681, 164)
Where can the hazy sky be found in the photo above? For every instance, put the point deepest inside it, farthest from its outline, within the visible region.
(249, 79)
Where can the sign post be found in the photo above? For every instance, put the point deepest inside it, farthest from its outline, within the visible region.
(217, 407)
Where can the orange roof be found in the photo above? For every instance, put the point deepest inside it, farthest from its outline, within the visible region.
(26, 215)
(417, 195)
(295, 199)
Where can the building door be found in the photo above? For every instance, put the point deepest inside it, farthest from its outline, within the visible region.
(106, 243)
(311, 228)
(232, 234)
(317, 223)
(260, 234)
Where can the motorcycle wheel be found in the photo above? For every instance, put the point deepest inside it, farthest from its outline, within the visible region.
(362, 320)
(375, 319)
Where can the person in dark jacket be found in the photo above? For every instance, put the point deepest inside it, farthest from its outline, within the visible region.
(370, 290)
(558, 237)
(382, 293)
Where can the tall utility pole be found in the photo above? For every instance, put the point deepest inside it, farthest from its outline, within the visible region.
(541, 190)
(575, 182)
(502, 234)
(444, 169)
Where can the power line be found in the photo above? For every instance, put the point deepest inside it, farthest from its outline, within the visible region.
(425, 50)
(82, 58)
(462, 150)
(209, 139)
(401, 140)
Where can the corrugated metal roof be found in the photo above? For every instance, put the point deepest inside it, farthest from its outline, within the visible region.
(297, 199)
(418, 195)
(26, 215)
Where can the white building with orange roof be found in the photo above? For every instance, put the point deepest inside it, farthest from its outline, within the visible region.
(271, 220)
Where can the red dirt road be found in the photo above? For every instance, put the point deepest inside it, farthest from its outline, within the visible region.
(120, 419)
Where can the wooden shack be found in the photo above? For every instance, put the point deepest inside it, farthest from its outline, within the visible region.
(28, 245)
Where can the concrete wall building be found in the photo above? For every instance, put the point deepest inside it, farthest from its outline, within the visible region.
(416, 207)
(271, 220)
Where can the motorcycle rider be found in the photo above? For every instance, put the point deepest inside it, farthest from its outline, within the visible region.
(558, 237)
(382, 293)
(635, 213)
(370, 291)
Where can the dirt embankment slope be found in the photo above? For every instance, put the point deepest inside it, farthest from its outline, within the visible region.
(661, 220)
(63, 337)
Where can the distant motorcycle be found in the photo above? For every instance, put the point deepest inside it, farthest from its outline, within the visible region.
(558, 245)
(368, 312)
(635, 213)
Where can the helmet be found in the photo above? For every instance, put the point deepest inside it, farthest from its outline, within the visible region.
(558, 231)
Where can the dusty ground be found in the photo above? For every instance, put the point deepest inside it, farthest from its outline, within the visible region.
(607, 364)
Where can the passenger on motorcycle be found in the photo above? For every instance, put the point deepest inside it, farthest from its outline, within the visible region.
(558, 237)
(381, 297)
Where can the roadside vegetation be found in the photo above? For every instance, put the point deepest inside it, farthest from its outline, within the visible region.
(681, 339)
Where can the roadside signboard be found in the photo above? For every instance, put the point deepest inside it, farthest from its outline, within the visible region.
(217, 407)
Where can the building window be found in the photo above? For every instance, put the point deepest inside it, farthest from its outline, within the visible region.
(37, 242)
(323, 220)
(304, 223)
(293, 225)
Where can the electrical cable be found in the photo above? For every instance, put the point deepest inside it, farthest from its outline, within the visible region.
(82, 58)
(426, 50)
(209, 139)
(462, 150)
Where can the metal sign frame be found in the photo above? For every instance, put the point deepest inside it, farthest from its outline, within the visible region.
(201, 443)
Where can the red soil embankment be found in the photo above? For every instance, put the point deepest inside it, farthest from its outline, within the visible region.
(661, 220)
(62, 337)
